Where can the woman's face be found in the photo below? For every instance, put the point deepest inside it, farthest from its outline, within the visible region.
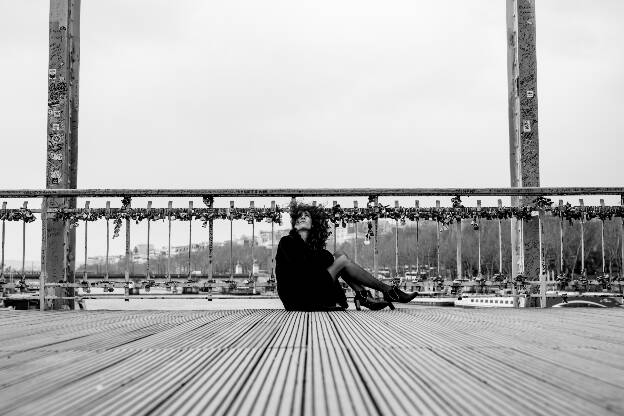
(304, 221)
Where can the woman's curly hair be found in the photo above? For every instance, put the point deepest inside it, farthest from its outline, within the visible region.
(318, 235)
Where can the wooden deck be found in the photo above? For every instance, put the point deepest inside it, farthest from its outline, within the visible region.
(432, 361)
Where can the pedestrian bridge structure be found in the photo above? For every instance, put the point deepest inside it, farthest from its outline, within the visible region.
(411, 361)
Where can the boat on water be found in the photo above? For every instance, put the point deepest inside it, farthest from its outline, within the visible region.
(491, 301)
(554, 299)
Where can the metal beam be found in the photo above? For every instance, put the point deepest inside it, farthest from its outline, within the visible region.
(523, 129)
(58, 252)
(288, 192)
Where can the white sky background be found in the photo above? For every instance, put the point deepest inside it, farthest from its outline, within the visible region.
(238, 94)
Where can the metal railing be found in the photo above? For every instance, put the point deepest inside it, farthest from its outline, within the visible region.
(534, 204)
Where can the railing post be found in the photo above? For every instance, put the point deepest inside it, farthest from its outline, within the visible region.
(4, 205)
(334, 225)
(375, 245)
(561, 240)
(458, 228)
(582, 237)
(169, 206)
(44, 247)
(622, 241)
(107, 238)
(25, 206)
(602, 246)
(253, 237)
(128, 256)
(479, 237)
(190, 246)
(438, 239)
(147, 266)
(542, 275)
(231, 240)
(272, 242)
(210, 240)
(396, 244)
(86, 233)
(500, 242)
(355, 243)
(417, 204)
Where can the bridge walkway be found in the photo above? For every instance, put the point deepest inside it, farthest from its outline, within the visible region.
(414, 360)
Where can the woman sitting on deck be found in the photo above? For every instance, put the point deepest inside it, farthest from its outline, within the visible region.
(307, 274)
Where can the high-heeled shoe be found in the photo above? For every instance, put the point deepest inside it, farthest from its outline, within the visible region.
(394, 294)
(364, 298)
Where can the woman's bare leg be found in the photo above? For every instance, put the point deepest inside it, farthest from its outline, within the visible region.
(352, 273)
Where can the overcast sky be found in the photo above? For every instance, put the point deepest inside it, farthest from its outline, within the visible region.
(241, 93)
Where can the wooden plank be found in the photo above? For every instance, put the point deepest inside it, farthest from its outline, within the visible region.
(410, 361)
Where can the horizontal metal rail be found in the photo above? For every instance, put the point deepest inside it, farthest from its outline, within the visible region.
(290, 192)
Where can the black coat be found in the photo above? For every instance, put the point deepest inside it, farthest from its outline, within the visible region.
(303, 282)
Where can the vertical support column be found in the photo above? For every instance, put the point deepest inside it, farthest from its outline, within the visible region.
(107, 238)
(190, 244)
(128, 256)
(231, 240)
(523, 128)
(62, 139)
(500, 242)
(147, 266)
(4, 205)
(396, 244)
(542, 271)
(44, 234)
(272, 243)
(561, 240)
(438, 239)
(458, 228)
(582, 203)
(253, 241)
(355, 242)
(375, 241)
(86, 246)
(210, 241)
(169, 207)
(417, 204)
(622, 241)
(479, 238)
(602, 245)
(334, 226)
